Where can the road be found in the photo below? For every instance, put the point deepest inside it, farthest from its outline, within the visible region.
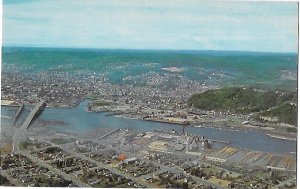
(18, 114)
(19, 133)
(11, 179)
(100, 165)
(197, 179)
(176, 171)
(58, 172)
(7, 132)
(199, 160)
(293, 179)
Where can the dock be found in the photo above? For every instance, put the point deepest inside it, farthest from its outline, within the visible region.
(109, 133)
(221, 141)
(114, 113)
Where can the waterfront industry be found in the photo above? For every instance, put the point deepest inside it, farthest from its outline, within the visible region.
(36, 153)
(160, 129)
(149, 94)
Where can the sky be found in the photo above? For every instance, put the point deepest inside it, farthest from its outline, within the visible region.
(152, 24)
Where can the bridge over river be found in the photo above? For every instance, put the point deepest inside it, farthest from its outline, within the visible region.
(18, 114)
(39, 107)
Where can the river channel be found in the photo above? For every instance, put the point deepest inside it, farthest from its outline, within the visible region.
(79, 120)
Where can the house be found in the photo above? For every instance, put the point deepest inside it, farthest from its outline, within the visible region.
(178, 176)
(161, 172)
(42, 170)
(186, 167)
(120, 178)
(148, 177)
(68, 170)
(94, 182)
(25, 178)
(173, 178)
(107, 161)
(179, 147)
(187, 179)
(78, 174)
(130, 160)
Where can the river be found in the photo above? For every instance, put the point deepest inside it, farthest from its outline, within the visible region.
(79, 120)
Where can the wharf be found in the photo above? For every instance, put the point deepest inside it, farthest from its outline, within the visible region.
(9, 103)
(164, 121)
(222, 141)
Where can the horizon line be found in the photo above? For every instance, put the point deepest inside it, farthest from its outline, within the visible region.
(142, 49)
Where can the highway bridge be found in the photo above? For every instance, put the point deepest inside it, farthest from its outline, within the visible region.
(18, 114)
(39, 107)
(19, 133)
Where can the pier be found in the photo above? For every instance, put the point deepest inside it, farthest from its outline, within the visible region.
(109, 133)
(221, 141)
(115, 113)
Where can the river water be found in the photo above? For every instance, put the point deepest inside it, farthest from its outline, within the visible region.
(79, 120)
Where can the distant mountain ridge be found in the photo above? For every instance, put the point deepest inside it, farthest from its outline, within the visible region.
(222, 68)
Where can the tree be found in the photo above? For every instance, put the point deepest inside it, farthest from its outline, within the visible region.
(193, 171)
(201, 174)
(176, 185)
(185, 185)
(210, 173)
(36, 184)
(227, 176)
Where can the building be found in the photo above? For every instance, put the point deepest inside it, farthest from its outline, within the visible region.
(179, 147)
(130, 160)
(206, 144)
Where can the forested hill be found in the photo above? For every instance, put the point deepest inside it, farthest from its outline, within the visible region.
(247, 100)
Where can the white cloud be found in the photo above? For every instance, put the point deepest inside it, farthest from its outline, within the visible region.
(153, 24)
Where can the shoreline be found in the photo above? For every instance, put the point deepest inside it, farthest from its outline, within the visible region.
(233, 130)
(281, 137)
(266, 130)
